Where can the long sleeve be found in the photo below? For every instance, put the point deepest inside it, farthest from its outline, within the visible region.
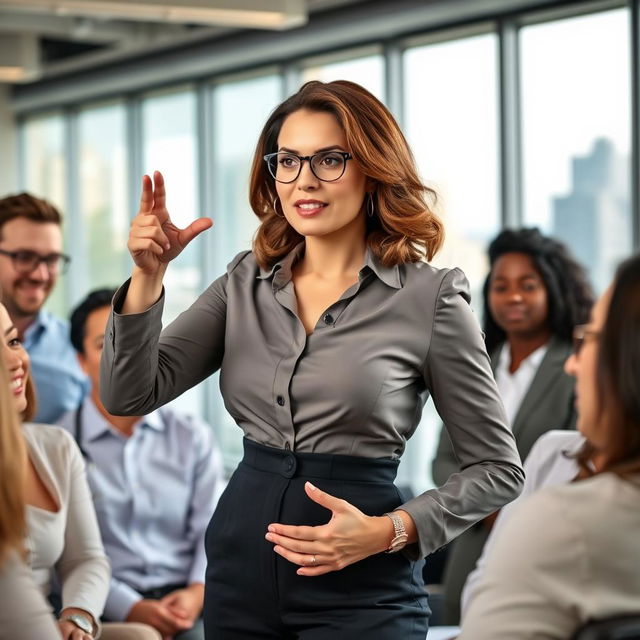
(141, 370)
(83, 568)
(444, 463)
(458, 374)
(209, 483)
(120, 600)
(546, 465)
(567, 555)
(24, 613)
(531, 574)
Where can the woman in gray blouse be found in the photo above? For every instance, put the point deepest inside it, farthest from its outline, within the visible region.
(330, 335)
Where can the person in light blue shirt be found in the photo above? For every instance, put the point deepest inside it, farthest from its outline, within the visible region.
(155, 481)
(60, 382)
(31, 261)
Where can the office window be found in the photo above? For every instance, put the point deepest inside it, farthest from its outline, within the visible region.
(576, 136)
(103, 197)
(44, 175)
(240, 109)
(169, 144)
(451, 123)
(367, 71)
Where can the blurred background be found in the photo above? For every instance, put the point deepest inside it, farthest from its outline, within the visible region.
(519, 112)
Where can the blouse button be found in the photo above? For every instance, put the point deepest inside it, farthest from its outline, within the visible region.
(328, 318)
(280, 401)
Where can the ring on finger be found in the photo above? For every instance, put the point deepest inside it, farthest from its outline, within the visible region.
(314, 560)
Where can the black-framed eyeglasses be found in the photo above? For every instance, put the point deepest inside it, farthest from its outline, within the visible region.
(25, 261)
(327, 166)
(581, 333)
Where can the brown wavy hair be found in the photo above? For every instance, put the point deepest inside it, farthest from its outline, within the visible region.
(618, 375)
(404, 227)
(13, 460)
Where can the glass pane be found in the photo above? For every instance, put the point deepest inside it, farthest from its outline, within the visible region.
(576, 136)
(452, 127)
(170, 147)
(367, 71)
(45, 174)
(103, 197)
(240, 110)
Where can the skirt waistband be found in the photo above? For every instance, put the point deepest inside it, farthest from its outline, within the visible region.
(318, 465)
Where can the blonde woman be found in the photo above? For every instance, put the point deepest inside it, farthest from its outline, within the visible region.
(62, 534)
(24, 614)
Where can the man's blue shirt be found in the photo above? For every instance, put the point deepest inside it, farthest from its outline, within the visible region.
(60, 382)
(154, 494)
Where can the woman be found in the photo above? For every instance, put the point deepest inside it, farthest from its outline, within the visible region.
(329, 336)
(62, 536)
(24, 614)
(62, 533)
(534, 294)
(582, 564)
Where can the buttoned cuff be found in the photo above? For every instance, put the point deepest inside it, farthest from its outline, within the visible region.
(120, 601)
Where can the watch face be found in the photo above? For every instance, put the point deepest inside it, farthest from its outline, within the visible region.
(81, 622)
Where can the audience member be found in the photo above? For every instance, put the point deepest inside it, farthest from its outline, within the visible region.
(24, 613)
(63, 539)
(534, 295)
(31, 260)
(155, 481)
(571, 553)
(552, 461)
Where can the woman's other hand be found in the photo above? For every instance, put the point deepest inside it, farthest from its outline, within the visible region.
(348, 537)
(153, 239)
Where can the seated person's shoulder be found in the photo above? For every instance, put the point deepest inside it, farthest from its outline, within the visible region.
(186, 426)
(556, 442)
(54, 442)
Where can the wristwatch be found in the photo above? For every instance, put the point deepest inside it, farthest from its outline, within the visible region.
(400, 533)
(82, 622)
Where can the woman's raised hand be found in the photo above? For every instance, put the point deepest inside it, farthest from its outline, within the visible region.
(153, 239)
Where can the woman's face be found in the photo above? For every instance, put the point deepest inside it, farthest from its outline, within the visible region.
(517, 296)
(15, 358)
(313, 207)
(583, 367)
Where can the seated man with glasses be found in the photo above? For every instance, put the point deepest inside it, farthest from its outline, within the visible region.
(31, 260)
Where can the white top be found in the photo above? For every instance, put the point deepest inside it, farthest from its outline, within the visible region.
(24, 614)
(514, 386)
(66, 542)
(568, 555)
(548, 464)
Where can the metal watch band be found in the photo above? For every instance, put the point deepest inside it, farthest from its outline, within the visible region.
(400, 533)
(82, 622)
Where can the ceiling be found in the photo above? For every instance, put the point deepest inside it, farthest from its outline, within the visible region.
(45, 38)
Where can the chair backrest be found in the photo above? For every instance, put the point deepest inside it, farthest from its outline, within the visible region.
(616, 628)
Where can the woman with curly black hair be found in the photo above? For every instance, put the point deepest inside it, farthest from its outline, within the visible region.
(534, 295)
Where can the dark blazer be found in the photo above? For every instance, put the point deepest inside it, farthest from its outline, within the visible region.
(548, 404)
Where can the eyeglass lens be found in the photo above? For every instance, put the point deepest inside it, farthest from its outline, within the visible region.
(327, 166)
(27, 261)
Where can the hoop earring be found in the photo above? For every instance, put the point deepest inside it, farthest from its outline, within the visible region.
(370, 207)
(275, 208)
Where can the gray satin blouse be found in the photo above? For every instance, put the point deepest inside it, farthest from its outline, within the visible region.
(355, 386)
